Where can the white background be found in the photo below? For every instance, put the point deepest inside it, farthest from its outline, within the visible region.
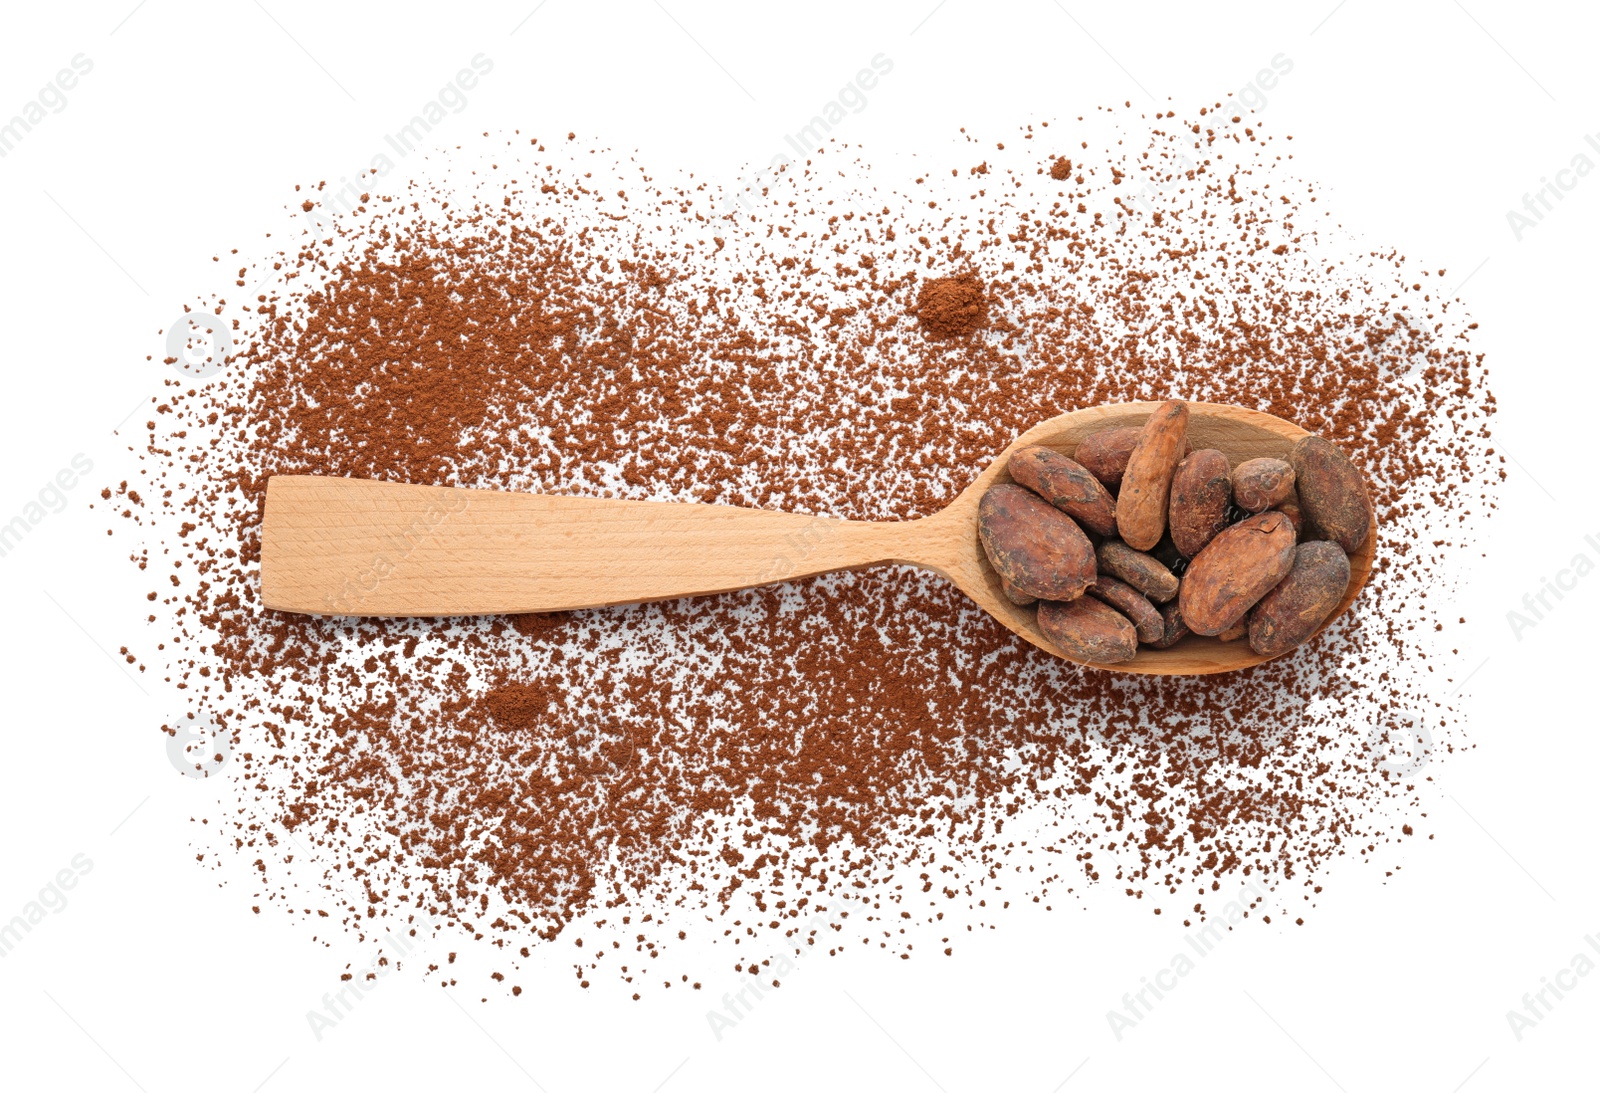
(1425, 123)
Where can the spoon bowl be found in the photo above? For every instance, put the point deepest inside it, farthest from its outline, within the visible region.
(338, 546)
(1238, 433)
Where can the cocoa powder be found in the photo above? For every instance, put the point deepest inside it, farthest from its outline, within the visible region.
(952, 307)
(560, 320)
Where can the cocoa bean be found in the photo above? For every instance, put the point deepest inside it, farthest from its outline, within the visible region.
(1147, 483)
(1234, 632)
(1302, 601)
(1236, 569)
(1016, 595)
(1033, 545)
(1173, 629)
(1066, 484)
(1105, 454)
(1291, 509)
(1201, 489)
(1145, 573)
(1127, 600)
(1089, 630)
(1260, 484)
(1333, 494)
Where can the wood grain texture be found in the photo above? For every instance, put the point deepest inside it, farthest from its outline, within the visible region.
(333, 546)
(351, 547)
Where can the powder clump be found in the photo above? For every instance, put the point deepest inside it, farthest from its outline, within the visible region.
(952, 307)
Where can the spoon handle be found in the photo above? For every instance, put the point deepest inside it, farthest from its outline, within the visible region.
(340, 546)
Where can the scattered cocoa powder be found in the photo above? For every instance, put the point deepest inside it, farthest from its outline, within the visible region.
(867, 742)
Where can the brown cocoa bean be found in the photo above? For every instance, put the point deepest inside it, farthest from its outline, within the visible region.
(1105, 454)
(1302, 601)
(1089, 630)
(1066, 484)
(1236, 569)
(1260, 484)
(1147, 483)
(1291, 509)
(1333, 494)
(1033, 545)
(1016, 595)
(1173, 629)
(1201, 489)
(1234, 632)
(1127, 600)
(1145, 573)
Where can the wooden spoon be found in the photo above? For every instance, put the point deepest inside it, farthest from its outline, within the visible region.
(336, 546)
